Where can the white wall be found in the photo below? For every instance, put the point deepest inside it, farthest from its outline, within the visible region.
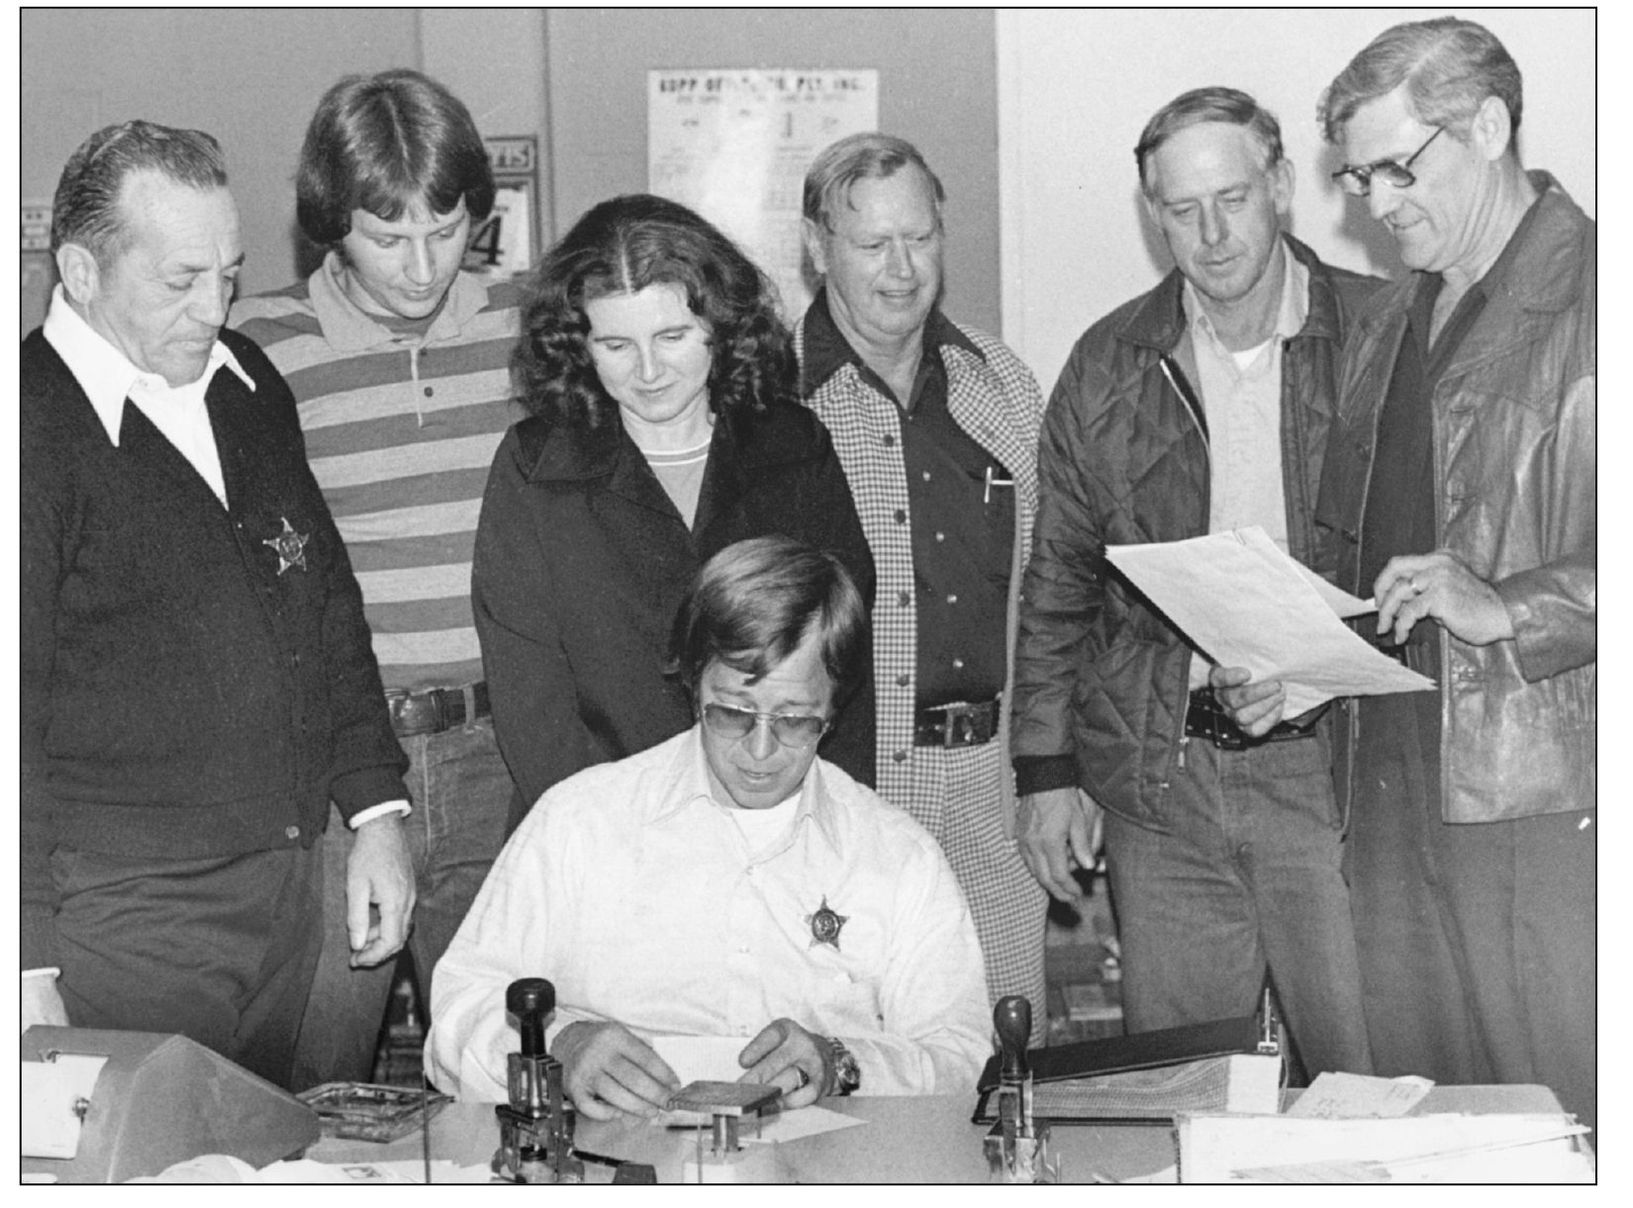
(1075, 243)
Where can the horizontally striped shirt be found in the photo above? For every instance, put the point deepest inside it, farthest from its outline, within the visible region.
(400, 431)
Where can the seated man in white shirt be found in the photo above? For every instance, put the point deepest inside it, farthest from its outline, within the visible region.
(727, 883)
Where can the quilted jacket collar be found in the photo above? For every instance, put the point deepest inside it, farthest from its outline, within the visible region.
(1159, 321)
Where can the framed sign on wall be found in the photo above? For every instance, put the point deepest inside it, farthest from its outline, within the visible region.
(734, 145)
(506, 242)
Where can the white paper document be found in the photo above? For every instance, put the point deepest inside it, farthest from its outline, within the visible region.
(1407, 1149)
(1244, 603)
(223, 1168)
(1340, 1096)
(701, 1058)
(809, 1121)
(50, 1090)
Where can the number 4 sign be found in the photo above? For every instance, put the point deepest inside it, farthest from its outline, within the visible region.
(502, 245)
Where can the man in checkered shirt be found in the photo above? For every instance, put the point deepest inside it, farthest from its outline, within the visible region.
(937, 426)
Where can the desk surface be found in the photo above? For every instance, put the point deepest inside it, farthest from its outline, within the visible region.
(926, 1139)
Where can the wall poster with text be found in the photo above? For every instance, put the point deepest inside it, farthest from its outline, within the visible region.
(734, 145)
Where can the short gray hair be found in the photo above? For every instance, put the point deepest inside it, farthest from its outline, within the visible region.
(86, 208)
(1449, 66)
(1215, 104)
(856, 157)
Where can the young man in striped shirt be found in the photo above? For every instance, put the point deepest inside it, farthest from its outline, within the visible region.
(399, 362)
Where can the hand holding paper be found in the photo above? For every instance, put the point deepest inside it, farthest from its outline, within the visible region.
(1244, 603)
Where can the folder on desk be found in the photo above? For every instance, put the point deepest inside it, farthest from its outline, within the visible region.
(1151, 1076)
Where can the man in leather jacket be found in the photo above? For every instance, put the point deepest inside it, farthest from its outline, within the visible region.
(1461, 490)
(1202, 406)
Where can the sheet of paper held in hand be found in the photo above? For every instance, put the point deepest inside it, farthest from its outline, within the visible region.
(1244, 603)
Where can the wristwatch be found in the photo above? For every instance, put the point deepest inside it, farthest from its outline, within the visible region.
(847, 1074)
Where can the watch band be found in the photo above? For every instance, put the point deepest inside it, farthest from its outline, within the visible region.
(847, 1073)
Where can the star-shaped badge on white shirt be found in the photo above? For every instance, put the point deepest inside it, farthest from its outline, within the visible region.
(826, 924)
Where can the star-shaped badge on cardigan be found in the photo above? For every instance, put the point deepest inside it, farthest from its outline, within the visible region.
(826, 925)
(290, 546)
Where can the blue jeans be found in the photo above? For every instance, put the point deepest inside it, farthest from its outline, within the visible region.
(1249, 879)
(460, 791)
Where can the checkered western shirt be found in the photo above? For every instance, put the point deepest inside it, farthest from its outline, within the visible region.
(996, 400)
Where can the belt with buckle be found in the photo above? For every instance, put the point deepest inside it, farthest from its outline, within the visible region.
(1415, 656)
(1206, 718)
(956, 725)
(436, 709)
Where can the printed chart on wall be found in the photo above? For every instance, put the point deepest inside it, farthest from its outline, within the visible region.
(734, 146)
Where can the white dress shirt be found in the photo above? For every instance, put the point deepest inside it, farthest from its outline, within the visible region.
(633, 891)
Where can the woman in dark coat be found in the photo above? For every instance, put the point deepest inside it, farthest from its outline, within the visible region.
(665, 426)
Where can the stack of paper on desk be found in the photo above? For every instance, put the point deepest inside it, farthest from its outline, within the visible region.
(1408, 1149)
(1244, 603)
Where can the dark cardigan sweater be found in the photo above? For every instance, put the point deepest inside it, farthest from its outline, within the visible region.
(181, 696)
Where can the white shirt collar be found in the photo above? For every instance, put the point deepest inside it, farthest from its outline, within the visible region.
(688, 783)
(1295, 301)
(349, 328)
(106, 374)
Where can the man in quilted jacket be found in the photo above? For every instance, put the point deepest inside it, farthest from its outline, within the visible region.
(1201, 406)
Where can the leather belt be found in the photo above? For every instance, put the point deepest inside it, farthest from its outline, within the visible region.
(436, 709)
(956, 725)
(1415, 656)
(1206, 718)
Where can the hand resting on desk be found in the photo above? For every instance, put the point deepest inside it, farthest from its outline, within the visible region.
(608, 1071)
(786, 1056)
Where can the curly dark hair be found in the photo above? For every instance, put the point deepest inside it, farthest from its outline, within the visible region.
(623, 246)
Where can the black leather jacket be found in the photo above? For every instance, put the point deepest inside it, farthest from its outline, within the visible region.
(1515, 463)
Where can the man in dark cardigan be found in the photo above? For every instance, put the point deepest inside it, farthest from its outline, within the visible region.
(197, 680)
